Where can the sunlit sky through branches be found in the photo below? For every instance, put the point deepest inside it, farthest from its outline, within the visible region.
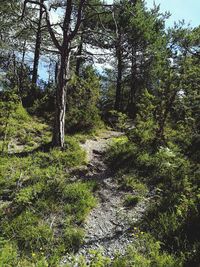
(189, 11)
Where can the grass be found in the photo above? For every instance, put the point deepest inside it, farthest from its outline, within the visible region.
(36, 188)
(41, 209)
(22, 132)
(131, 182)
(173, 214)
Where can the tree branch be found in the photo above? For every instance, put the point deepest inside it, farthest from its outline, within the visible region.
(78, 21)
(51, 32)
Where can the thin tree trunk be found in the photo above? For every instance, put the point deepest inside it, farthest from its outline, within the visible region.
(119, 77)
(133, 86)
(79, 59)
(37, 46)
(21, 73)
(56, 73)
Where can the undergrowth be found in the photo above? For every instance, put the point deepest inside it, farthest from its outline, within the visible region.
(173, 216)
(41, 208)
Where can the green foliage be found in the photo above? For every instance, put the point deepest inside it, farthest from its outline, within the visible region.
(73, 237)
(82, 113)
(38, 200)
(145, 125)
(31, 232)
(131, 200)
(174, 213)
(120, 152)
(146, 252)
(117, 120)
(8, 254)
(131, 182)
(18, 130)
(70, 157)
(79, 200)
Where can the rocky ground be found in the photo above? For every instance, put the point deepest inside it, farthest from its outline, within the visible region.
(108, 225)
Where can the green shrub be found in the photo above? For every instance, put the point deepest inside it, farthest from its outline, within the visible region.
(131, 200)
(120, 153)
(83, 97)
(26, 195)
(117, 120)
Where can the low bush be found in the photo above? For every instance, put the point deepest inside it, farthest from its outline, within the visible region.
(131, 200)
(132, 182)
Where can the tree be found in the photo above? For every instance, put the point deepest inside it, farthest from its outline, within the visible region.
(37, 44)
(70, 26)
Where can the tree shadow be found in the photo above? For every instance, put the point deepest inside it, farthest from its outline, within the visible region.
(42, 148)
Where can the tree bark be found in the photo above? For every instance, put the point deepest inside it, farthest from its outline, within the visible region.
(118, 95)
(131, 108)
(79, 59)
(37, 46)
(61, 90)
(21, 71)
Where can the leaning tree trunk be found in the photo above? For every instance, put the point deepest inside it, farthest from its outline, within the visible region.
(59, 127)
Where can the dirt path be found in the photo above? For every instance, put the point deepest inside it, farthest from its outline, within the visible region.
(107, 226)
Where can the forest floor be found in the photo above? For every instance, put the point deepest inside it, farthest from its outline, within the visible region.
(107, 227)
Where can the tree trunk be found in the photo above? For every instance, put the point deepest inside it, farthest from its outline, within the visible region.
(37, 47)
(119, 77)
(133, 86)
(21, 72)
(79, 59)
(59, 127)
